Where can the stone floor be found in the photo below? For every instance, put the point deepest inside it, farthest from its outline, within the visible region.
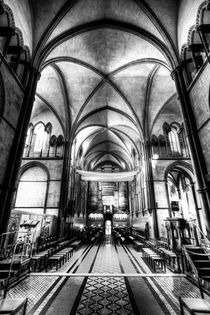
(104, 279)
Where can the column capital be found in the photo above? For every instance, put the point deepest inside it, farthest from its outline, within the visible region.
(204, 190)
(176, 71)
(36, 73)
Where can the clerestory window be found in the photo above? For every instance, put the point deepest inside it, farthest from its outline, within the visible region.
(174, 141)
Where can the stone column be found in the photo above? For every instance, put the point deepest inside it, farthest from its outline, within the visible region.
(63, 204)
(16, 152)
(168, 199)
(150, 188)
(194, 145)
(196, 206)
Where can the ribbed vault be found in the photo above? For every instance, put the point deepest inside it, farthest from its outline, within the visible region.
(105, 72)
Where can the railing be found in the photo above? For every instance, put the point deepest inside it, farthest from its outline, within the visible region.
(194, 270)
(190, 262)
(168, 149)
(55, 153)
(3, 246)
(10, 254)
(10, 271)
(203, 240)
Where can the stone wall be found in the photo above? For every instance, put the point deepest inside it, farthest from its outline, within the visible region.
(10, 115)
(139, 220)
(54, 167)
(199, 97)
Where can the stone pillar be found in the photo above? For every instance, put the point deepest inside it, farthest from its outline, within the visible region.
(196, 206)
(194, 145)
(16, 152)
(150, 188)
(168, 199)
(87, 203)
(63, 204)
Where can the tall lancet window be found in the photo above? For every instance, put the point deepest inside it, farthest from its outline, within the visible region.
(174, 141)
(39, 133)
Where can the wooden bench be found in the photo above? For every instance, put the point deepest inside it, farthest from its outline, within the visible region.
(169, 256)
(59, 258)
(38, 261)
(141, 238)
(194, 305)
(63, 244)
(162, 244)
(153, 260)
(19, 266)
(137, 245)
(13, 306)
(56, 260)
(75, 244)
(68, 251)
(151, 244)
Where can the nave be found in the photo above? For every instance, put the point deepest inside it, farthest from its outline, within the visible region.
(104, 278)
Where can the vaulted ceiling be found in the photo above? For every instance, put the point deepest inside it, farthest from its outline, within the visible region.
(105, 70)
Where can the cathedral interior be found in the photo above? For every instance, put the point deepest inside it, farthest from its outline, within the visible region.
(104, 157)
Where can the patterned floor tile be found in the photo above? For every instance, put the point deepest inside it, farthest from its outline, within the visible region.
(33, 288)
(105, 295)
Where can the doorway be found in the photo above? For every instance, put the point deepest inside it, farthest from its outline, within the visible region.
(108, 227)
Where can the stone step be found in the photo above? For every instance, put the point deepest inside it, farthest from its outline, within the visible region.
(204, 271)
(202, 263)
(206, 278)
(197, 257)
(195, 250)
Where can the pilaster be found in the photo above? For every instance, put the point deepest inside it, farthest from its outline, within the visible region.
(194, 144)
(15, 157)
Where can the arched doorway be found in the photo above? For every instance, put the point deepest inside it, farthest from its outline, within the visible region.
(182, 197)
(108, 227)
(184, 205)
(108, 224)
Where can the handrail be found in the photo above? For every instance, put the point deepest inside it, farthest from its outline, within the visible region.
(201, 232)
(3, 240)
(191, 262)
(198, 254)
(14, 247)
(10, 270)
(194, 269)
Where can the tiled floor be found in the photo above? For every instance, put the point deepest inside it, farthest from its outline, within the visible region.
(107, 295)
(104, 279)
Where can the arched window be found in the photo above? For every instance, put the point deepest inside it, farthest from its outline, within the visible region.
(174, 141)
(28, 136)
(108, 227)
(28, 140)
(39, 135)
(2, 96)
(32, 189)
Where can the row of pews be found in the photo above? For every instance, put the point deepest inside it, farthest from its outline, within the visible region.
(55, 256)
(156, 255)
(154, 260)
(17, 267)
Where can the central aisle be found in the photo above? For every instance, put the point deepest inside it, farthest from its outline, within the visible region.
(105, 295)
(102, 279)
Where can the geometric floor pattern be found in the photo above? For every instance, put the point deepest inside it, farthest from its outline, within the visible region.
(131, 293)
(106, 295)
(32, 287)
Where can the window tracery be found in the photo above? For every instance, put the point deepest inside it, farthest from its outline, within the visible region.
(174, 141)
(41, 143)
